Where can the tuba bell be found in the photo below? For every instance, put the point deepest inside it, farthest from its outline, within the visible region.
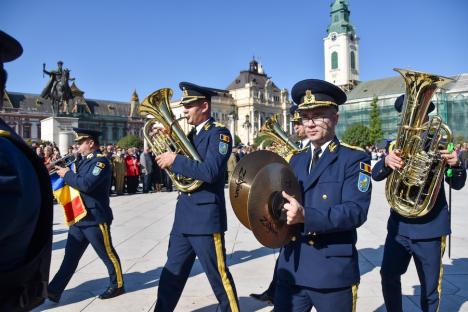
(284, 146)
(170, 138)
(412, 190)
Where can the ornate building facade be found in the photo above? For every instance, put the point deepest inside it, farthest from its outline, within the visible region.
(247, 102)
(114, 119)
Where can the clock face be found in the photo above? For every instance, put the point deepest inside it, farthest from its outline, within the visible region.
(333, 37)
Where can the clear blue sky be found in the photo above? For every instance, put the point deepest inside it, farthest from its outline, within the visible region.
(114, 47)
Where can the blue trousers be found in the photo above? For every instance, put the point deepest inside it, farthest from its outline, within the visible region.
(293, 298)
(181, 254)
(427, 256)
(78, 240)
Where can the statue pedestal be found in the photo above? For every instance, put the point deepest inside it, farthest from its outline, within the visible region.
(59, 130)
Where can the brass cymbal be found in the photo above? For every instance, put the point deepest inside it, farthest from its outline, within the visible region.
(255, 192)
(265, 205)
(242, 178)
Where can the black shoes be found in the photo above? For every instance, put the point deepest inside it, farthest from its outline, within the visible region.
(264, 296)
(112, 292)
(53, 297)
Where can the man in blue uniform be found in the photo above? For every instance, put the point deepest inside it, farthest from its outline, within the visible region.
(26, 211)
(319, 266)
(200, 217)
(92, 179)
(421, 238)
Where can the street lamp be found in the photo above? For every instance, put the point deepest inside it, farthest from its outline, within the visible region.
(247, 125)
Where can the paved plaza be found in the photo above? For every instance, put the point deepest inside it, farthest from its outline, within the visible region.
(140, 233)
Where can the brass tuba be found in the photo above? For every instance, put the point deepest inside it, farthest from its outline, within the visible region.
(412, 190)
(284, 146)
(169, 139)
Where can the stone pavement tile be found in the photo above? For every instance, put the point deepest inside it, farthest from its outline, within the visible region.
(133, 301)
(71, 301)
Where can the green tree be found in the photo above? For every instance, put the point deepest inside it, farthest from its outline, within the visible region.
(358, 135)
(375, 124)
(130, 141)
(237, 140)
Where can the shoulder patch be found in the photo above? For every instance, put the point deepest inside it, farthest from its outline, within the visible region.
(100, 165)
(96, 170)
(225, 138)
(363, 182)
(365, 167)
(223, 148)
(357, 148)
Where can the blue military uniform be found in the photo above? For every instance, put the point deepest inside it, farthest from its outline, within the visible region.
(26, 211)
(92, 179)
(319, 266)
(200, 217)
(422, 238)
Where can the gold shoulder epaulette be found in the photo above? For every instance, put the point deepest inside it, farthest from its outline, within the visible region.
(352, 147)
(100, 155)
(218, 124)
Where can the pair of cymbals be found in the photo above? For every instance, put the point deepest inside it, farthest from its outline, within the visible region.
(255, 191)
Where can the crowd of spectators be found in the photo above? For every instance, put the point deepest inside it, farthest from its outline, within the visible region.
(135, 170)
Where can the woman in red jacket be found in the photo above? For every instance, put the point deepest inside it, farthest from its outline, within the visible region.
(133, 171)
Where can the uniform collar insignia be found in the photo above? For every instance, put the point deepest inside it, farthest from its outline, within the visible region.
(332, 146)
(90, 156)
(207, 125)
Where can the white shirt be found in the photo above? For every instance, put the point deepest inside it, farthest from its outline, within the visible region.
(200, 126)
(312, 148)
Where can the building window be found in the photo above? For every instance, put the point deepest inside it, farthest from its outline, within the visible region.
(334, 60)
(353, 60)
(26, 131)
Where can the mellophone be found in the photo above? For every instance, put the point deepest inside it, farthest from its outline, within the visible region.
(65, 161)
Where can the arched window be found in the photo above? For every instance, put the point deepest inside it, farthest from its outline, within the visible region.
(334, 60)
(353, 60)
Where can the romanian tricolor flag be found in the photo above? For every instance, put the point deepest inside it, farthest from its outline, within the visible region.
(70, 199)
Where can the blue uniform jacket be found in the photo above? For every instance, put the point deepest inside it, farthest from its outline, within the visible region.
(20, 201)
(204, 210)
(436, 222)
(336, 198)
(93, 180)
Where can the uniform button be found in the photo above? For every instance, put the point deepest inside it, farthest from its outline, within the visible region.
(324, 196)
(293, 238)
(311, 242)
(310, 233)
(189, 194)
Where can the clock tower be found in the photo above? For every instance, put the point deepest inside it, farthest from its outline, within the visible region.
(341, 48)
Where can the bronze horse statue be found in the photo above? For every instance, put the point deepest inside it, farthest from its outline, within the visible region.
(57, 90)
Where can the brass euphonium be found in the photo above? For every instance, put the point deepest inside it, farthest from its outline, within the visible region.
(412, 190)
(283, 145)
(169, 139)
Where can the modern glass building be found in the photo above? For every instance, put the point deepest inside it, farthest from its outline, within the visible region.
(451, 105)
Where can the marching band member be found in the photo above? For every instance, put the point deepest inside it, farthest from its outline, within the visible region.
(92, 180)
(27, 210)
(422, 238)
(200, 217)
(319, 266)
